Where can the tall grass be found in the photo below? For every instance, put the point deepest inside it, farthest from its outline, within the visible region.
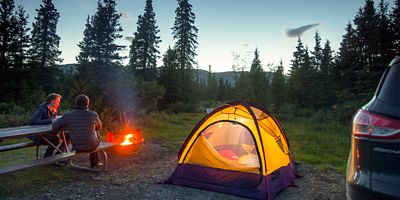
(324, 144)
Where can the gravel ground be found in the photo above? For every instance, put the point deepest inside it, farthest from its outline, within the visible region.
(136, 177)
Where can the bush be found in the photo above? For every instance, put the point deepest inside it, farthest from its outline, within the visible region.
(11, 120)
(344, 112)
(291, 111)
(322, 116)
(180, 106)
(11, 108)
(202, 106)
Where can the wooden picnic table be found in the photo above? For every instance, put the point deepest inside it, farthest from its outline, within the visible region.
(24, 131)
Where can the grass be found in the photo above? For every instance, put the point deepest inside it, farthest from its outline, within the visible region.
(170, 129)
(323, 144)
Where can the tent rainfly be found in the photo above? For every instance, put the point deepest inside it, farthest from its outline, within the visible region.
(238, 149)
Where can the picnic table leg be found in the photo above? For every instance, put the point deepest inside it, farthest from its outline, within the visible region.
(51, 144)
(90, 169)
(64, 141)
(37, 152)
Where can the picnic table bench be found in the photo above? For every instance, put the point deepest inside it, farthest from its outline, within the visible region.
(24, 131)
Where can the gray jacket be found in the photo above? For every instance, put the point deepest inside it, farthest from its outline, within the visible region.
(81, 124)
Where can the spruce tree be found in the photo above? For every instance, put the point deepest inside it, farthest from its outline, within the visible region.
(257, 80)
(21, 39)
(185, 35)
(325, 87)
(212, 85)
(317, 53)
(347, 66)
(14, 41)
(386, 40)
(221, 95)
(300, 87)
(395, 18)
(228, 90)
(366, 30)
(6, 28)
(315, 75)
(44, 50)
(144, 48)
(99, 56)
(7, 25)
(278, 87)
(169, 78)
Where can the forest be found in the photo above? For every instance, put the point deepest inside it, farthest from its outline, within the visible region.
(322, 83)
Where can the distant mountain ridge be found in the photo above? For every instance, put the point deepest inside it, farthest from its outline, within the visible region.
(201, 73)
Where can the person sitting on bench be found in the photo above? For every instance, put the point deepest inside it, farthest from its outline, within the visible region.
(45, 113)
(83, 125)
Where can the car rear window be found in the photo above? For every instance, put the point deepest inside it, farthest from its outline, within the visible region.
(390, 90)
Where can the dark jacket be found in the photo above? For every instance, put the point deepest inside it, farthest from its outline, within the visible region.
(42, 115)
(82, 125)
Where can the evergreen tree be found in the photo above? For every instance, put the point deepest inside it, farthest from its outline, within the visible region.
(221, 95)
(385, 42)
(395, 18)
(257, 80)
(87, 45)
(144, 47)
(185, 34)
(325, 87)
(242, 87)
(366, 31)
(212, 85)
(278, 87)
(317, 53)
(169, 78)
(14, 42)
(44, 50)
(21, 39)
(315, 74)
(300, 86)
(99, 56)
(228, 90)
(347, 66)
(6, 28)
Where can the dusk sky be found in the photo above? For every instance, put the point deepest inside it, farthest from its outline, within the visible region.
(225, 26)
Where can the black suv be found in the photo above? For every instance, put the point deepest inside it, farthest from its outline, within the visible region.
(373, 168)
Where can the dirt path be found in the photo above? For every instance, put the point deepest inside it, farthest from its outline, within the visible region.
(135, 177)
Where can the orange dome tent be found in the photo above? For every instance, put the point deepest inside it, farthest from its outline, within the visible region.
(238, 149)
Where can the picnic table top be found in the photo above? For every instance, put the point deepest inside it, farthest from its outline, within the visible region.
(24, 131)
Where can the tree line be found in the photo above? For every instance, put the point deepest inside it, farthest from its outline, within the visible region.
(319, 78)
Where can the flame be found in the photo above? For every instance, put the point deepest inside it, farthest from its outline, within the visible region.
(127, 140)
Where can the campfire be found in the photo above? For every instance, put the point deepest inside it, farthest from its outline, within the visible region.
(130, 139)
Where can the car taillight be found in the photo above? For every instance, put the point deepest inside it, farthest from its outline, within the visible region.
(371, 125)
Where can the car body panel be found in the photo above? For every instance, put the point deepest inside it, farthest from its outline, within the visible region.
(373, 167)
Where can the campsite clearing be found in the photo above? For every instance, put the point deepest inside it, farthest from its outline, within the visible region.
(135, 177)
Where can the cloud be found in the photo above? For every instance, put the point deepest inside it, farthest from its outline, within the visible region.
(297, 32)
(84, 4)
(126, 17)
(128, 38)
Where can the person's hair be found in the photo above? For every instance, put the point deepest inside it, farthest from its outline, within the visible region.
(82, 100)
(52, 96)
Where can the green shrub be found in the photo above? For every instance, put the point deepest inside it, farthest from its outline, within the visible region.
(11, 120)
(344, 112)
(11, 108)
